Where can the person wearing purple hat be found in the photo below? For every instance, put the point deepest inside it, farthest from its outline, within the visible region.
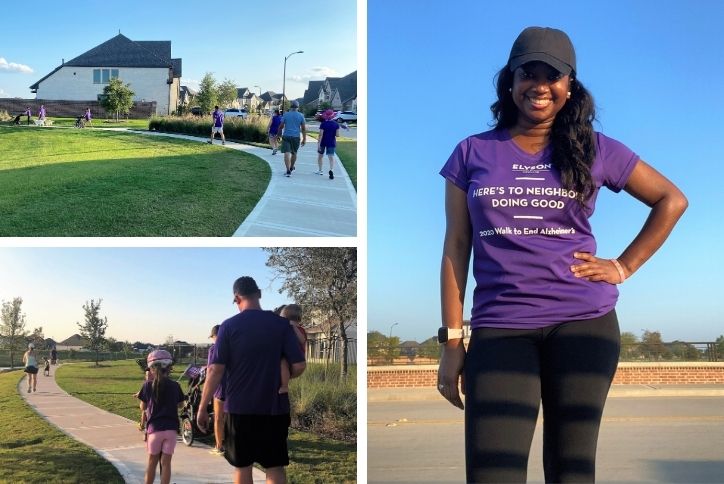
(327, 142)
(544, 326)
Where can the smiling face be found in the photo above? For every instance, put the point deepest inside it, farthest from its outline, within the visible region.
(540, 92)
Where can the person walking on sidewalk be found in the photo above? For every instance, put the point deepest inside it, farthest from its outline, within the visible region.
(30, 361)
(88, 117)
(41, 115)
(218, 126)
(328, 133)
(219, 396)
(273, 131)
(291, 128)
(544, 325)
(248, 349)
(28, 112)
(160, 399)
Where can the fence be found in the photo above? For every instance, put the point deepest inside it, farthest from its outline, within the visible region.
(329, 350)
(63, 356)
(678, 351)
(71, 109)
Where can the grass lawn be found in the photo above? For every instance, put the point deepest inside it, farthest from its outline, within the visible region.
(347, 152)
(62, 182)
(111, 387)
(32, 450)
(105, 123)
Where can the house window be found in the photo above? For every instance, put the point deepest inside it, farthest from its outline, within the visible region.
(104, 76)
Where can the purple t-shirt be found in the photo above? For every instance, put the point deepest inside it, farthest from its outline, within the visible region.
(41, 113)
(162, 415)
(329, 134)
(218, 119)
(275, 122)
(219, 394)
(526, 227)
(252, 345)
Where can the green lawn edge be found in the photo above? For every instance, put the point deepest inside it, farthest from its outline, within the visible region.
(33, 450)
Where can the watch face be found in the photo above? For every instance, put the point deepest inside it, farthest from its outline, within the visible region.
(442, 335)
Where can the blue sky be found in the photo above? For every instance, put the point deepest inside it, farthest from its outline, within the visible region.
(655, 71)
(148, 293)
(242, 41)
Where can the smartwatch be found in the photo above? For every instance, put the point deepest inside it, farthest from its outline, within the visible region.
(445, 334)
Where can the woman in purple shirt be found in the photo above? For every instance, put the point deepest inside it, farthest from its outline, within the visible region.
(272, 131)
(544, 326)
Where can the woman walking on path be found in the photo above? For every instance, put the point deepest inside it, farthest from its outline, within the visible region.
(273, 131)
(544, 324)
(328, 133)
(30, 360)
(160, 399)
(219, 396)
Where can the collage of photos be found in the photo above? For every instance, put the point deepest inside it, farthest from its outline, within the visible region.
(517, 282)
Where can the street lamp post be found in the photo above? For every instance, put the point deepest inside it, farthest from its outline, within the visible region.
(258, 109)
(284, 78)
(389, 343)
(393, 325)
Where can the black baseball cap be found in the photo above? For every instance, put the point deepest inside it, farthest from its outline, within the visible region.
(544, 44)
(245, 286)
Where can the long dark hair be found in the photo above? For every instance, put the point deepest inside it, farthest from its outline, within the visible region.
(159, 382)
(572, 135)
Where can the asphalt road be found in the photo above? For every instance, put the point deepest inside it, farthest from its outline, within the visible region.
(652, 439)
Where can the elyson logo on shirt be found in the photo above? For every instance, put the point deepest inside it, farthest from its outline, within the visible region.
(531, 168)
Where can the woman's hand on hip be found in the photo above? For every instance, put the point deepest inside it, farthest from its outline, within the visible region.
(450, 371)
(595, 270)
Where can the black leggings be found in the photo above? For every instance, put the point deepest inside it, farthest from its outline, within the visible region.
(569, 366)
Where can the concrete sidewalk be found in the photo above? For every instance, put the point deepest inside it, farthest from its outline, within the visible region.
(617, 391)
(118, 439)
(303, 205)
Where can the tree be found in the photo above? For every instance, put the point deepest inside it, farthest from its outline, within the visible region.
(322, 279)
(38, 338)
(629, 346)
(719, 348)
(652, 345)
(226, 93)
(117, 97)
(94, 328)
(208, 95)
(13, 326)
(430, 348)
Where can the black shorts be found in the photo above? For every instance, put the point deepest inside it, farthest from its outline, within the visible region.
(256, 438)
(31, 369)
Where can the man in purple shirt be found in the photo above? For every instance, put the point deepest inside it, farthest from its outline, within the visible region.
(249, 347)
(218, 126)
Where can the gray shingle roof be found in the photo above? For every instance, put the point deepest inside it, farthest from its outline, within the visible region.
(312, 92)
(347, 86)
(120, 51)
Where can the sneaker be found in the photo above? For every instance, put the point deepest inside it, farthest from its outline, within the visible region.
(216, 451)
(288, 173)
(274, 152)
(209, 142)
(319, 172)
(28, 390)
(223, 142)
(331, 175)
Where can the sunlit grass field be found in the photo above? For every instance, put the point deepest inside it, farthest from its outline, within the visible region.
(67, 182)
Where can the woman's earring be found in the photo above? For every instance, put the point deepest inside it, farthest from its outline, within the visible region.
(510, 89)
(569, 95)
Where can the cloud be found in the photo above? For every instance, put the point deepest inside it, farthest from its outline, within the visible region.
(13, 67)
(316, 74)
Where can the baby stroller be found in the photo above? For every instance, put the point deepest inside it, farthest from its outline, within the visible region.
(196, 375)
(80, 122)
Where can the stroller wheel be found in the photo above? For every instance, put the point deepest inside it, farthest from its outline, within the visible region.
(187, 431)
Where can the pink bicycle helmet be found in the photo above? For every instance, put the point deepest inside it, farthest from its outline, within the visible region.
(160, 358)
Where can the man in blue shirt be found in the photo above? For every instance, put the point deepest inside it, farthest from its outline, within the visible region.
(292, 126)
(249, 348)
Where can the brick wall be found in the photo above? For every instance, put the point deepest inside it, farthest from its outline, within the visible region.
(627, 374)
(72, 109)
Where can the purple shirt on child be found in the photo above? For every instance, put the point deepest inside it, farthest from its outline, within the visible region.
(329, 135)
(275, 122)
(162, 415)
(526, 227)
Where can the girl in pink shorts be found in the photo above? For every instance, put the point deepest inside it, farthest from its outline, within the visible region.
(160, 398)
